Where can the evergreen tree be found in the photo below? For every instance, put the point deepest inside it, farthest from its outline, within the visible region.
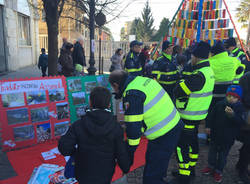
(134, 28)
(122, 34)
(163, 29)
(243, 15)
(145, 26)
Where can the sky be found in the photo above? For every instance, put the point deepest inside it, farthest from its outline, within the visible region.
(160, 9)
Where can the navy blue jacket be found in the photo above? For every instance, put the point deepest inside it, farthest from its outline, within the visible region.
(100, 145)
(166, 73)
(43, 61)
(133, 64)
(224, 128)
(242, 57)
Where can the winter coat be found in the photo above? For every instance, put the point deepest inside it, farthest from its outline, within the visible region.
(78, 55)
(100, 144)
(116, 62)
(225, 129)
(43, 61)
(66, 61)
(245, 84)
(144, 58)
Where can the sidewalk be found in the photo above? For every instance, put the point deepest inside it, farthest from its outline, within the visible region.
(29, 71)
(230, 175)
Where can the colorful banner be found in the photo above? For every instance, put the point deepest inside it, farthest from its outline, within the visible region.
(197, 22)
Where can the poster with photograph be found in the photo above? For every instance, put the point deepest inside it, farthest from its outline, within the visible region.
(81, 110)
(56, 95)
(89, 86)
(102, 80)
(61, 128)
(36, 97)
(74, 85)
(13, 100)
(23, 133)
(39, 114)
(30, 108)
(78, 98)
(62, 110)
(43, 132)
(17, 116)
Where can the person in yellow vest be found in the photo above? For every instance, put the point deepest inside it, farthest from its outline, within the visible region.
(193, 97)
(227, 70)
(164, 69)
(132, 62)
(234, 51)
(149, 111)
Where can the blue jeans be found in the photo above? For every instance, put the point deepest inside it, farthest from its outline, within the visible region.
(217, 157)
(158, 154)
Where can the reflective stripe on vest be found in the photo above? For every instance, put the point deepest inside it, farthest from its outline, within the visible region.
(219, 95)
(154, 101)
(133, 70)
(196, 108)
(163, 123)
(193, 112)
(223, 83)
(160, 115)
(201, 95)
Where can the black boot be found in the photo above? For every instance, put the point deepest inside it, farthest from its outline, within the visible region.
(192, 174)
(180, 180)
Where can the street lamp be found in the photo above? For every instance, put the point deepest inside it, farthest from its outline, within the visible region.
(92, 68)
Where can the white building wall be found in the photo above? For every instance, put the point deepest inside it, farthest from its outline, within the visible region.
(19, 56)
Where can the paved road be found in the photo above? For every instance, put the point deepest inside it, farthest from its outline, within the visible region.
(229, 176)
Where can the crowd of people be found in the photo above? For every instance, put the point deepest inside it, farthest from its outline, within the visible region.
(165, 100)
(71, 61)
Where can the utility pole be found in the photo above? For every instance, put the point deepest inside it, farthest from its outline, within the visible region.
(92, 68)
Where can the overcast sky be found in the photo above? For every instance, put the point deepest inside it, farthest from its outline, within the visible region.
(160, 9)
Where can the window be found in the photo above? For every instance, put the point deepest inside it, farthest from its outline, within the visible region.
(24, 30)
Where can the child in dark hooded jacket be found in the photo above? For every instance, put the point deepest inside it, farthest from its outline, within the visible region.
(100, 142)
(224, 123)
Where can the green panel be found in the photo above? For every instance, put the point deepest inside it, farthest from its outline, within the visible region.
(79, 90)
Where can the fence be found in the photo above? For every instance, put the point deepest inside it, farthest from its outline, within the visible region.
(107, 47)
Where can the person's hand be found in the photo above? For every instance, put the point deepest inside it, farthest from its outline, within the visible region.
(229, 111)
(208, 131)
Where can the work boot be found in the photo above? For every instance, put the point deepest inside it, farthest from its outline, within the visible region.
(192, 174)
(175, 173)
(180, 180)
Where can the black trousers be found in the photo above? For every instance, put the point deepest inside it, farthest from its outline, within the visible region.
(188, 148)
(44, 69)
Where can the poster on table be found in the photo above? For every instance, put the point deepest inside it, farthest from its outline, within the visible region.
(79, 89)
(33, 110)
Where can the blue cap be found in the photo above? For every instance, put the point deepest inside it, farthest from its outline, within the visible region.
(165, 45)
(135, 42)
(234, 90)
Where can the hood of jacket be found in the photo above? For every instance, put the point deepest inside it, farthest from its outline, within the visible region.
(99, 122)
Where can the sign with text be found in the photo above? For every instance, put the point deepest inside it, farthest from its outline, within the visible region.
(33, 110)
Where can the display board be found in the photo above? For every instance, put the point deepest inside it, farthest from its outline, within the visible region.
(79, 89)
(33, 110)
(200, 20)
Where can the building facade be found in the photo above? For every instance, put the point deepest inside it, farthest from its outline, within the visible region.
(19, 35)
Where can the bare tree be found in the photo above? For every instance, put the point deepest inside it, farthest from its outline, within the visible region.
(53, 10)
(56, 9)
